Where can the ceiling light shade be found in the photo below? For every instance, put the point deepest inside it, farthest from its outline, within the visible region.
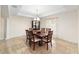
(37, 17)
(34, 18)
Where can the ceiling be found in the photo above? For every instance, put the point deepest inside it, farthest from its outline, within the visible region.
(41, 10)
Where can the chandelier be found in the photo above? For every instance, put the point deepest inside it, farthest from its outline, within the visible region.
(37, 17)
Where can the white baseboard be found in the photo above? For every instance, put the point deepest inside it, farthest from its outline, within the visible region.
(66, 40)
(14, 37)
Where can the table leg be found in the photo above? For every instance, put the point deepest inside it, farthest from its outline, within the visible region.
(40, 43)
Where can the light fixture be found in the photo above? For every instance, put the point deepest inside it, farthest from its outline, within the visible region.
(37, 17)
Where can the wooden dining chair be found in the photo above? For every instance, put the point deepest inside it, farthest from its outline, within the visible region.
(48, 29)
(43, 30)
(27, 35)
(48, 38)
(33, 39)
(30, 29)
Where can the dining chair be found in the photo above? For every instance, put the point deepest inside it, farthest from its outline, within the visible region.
(33, 39)
(43, 30)
(48, 38)
(48, 29)
(30, 29)
(27, 35)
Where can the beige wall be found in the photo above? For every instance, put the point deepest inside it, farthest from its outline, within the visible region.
(49, 23)
(0, 11)
(16, 26)
(78, 28)
(67, 26)
(1, 26)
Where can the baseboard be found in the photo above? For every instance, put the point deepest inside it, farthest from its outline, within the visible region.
(15, 37)
(65, 40)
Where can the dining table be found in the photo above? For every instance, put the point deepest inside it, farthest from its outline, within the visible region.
(41, 36)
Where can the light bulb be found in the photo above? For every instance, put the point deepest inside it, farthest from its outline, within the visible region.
(38, 18)
(34, 18)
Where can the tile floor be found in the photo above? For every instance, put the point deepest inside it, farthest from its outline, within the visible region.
(18, 46)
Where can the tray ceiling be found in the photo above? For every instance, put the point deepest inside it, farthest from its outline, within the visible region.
(43, 10)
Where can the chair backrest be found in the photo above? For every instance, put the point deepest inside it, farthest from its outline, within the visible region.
(27, 33)
(43, 30)
(50, 33)
(31, 35)
(30, 29)
(48, 29)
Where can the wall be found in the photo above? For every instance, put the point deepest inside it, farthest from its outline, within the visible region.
(0, 10)
(49, 23)
(78, 28)
(67, 26)
(1, 26)
(3, 20)
(16, 26)
(0, 23)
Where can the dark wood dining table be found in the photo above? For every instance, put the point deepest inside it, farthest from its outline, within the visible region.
(41, 36)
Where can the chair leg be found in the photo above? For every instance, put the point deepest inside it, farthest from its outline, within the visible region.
(47, 46)
(51, 43)
(26, 41)
(30, 43)
(33, 45)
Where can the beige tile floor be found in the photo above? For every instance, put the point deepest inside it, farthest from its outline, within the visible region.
(19, 46)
